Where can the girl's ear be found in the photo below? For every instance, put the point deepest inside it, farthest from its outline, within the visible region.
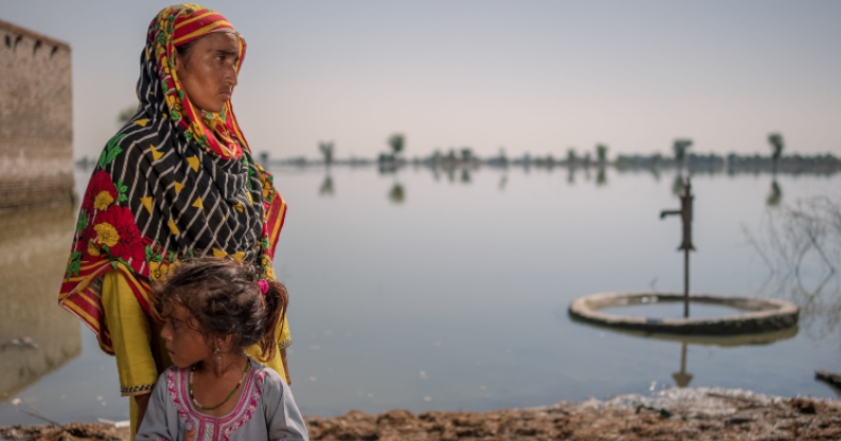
(224, 343)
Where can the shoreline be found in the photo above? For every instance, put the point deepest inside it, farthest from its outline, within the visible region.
(692, 413)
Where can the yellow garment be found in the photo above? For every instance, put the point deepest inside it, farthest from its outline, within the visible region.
(138, 347)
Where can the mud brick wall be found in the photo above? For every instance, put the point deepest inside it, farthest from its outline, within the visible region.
(36, 120)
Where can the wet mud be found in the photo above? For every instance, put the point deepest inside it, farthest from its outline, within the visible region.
(673, 414)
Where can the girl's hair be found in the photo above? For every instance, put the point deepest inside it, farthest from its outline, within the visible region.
(224, 297)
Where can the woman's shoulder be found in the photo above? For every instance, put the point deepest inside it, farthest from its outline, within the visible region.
(138, 130)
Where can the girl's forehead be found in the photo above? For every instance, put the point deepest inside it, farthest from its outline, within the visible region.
(176, 311)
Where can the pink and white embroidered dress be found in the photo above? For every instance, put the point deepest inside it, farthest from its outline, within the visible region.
(266, 410)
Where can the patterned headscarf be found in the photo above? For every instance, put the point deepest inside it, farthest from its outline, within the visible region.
(175, 181)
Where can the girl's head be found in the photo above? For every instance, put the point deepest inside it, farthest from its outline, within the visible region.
(218, 305)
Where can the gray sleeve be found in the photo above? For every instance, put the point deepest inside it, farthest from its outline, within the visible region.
(156, 424)
(283, 418)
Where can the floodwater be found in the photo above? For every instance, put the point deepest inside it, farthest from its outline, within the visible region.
(424, 290)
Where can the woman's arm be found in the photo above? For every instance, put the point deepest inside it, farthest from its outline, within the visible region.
(285, 366)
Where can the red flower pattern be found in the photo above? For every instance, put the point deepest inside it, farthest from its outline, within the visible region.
(100, 182)
(128, 244)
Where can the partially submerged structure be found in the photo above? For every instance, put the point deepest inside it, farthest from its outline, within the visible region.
(36, 120)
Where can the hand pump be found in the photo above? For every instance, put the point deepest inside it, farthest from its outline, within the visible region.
(685, 213)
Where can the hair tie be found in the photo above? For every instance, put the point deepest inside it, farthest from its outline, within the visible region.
(264, 286)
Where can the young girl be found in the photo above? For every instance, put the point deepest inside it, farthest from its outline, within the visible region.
(213, 310)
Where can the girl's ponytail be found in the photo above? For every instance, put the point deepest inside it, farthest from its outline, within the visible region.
(276, 300)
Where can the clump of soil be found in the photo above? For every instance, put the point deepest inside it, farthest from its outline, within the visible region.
(67, 432)
(674, 414)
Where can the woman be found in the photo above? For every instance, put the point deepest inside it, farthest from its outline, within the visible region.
(177, 180)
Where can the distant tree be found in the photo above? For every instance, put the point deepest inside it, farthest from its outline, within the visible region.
(680, 146)
(777, 145)
(572, 158)
(502, 158)
(397, 142)
(264, 158)
(126, 114)
(327, 149)
(550, 160)
(466, 154)
(601, 153)
(451, 156)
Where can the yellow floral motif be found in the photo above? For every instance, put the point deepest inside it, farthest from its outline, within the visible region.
(106, 234)
(162, 271)
(267, 263)
(103, 200)
(93, 249)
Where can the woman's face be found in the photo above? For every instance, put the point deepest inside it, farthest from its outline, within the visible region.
(208, 71)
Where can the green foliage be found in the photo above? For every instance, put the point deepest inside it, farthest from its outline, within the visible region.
(777, 145)
(397, 142)
(75, 264)
(679, 147)
(601, 152)
(112, 149)
(82, 222)
(327, 148)
(121, 191)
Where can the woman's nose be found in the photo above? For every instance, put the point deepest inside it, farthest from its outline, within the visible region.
(231, 75)
(234, 78)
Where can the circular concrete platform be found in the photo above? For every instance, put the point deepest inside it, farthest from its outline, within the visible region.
(761, 315)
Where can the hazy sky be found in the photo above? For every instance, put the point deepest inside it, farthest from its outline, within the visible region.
(529, 76)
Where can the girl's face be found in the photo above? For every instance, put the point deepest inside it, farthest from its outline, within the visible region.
(185, 344)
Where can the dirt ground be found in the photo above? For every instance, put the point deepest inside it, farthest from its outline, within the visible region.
(674, 414)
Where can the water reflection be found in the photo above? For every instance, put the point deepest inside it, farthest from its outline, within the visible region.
(775, 196)
(601, 177)
(683, 378)
(397, 194)
(503, 181)
(326, 188)
(36, 335)
(801, 246)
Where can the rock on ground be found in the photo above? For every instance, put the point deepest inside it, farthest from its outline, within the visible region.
(674, 414)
